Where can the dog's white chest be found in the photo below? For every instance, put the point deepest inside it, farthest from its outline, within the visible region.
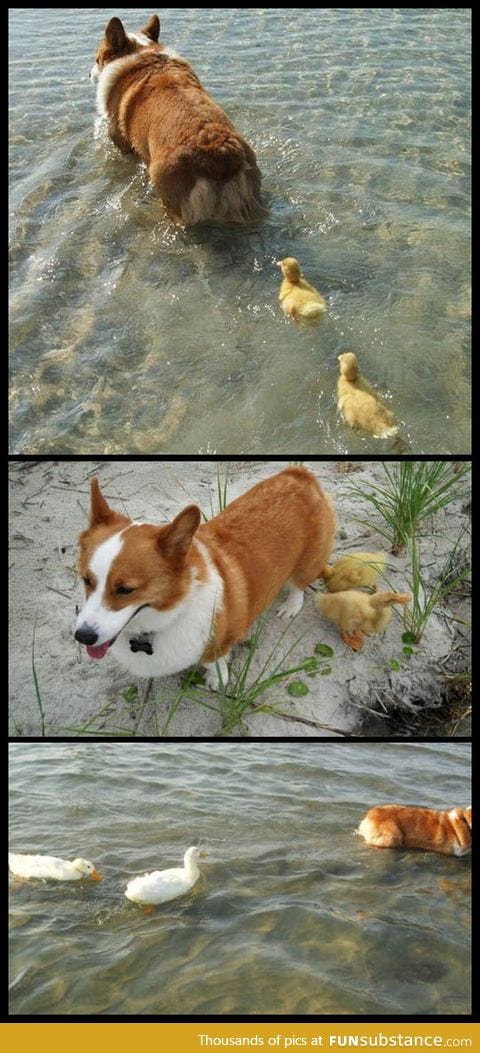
(177, 638)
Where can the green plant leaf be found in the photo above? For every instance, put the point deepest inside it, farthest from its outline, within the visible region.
(311, 664)
(327, 669)
(395, 665)
(408, 651)
(197, 677)
(324, 649)
(130, 693)
(409, 638)
(342, 534)
(297, 688)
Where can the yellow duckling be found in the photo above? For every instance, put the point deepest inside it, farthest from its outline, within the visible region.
(358, 570)
(359, 403)
(297, 297)
(358, 614)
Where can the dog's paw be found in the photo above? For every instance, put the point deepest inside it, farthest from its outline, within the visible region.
(292, 605)
(216, 675)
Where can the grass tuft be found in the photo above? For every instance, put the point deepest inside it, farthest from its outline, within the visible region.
(413, 491)
(426, 597)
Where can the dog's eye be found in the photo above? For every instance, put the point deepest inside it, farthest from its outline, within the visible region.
(123, 590)
(87, 582)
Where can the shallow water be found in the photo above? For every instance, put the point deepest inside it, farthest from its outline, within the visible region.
(128, 335)
(293, 914)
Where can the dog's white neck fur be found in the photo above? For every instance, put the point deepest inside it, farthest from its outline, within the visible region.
(110, 73)
(180, 634)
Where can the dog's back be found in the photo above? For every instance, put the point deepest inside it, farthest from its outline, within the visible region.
(401, 826)
(157, 108)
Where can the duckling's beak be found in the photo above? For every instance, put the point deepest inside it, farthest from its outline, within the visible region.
(202, 855)
(95, 875)
(278, 263)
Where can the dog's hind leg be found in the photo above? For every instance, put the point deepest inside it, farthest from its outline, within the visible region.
(293, 602)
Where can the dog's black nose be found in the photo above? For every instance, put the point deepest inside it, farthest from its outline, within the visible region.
(86, 635)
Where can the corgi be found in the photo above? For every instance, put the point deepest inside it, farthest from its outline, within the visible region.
(157, 109)
(399, 826)
(163, 598)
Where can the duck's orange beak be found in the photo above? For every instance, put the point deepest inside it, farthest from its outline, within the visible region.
(95, 875)
(202, 855)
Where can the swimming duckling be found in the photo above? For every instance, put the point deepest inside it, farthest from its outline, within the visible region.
(358, 614)
(297, 297)
(359, 403)
(358, 570)
(51, 867)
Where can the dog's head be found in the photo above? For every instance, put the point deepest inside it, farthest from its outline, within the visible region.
(117, 43)
(127, 567)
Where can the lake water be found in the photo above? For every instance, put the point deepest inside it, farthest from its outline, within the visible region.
(131, 336)
(293, 914)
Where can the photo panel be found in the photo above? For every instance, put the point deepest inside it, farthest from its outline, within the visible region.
(187, 565)
(287, 909)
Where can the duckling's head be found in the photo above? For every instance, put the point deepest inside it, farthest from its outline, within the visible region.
(290, 268)
(86, 869)
(348, 365)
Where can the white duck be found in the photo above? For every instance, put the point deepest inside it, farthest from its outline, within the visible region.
(162, 885)
(52, 867)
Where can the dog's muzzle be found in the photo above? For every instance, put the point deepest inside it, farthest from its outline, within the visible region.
(86, 635)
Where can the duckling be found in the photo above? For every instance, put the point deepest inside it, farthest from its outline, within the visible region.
(358, 570)
(359, 403)
(358, 614)
(51, 867)
(297, 297)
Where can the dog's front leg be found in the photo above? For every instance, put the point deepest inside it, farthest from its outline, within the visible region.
(216, 674)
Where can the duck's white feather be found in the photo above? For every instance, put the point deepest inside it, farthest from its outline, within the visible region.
(51, 867)
(160, 886)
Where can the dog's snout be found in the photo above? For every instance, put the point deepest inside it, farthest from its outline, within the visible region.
(86, 635)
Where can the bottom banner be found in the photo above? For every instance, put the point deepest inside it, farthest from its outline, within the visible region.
(202, 1038)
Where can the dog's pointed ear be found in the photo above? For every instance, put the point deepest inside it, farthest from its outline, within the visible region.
(152, 28)
(177, 538)
(100, 511)
(115, 35)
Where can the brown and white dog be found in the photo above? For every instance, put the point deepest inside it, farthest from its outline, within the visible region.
(162, 598)
(157, 108)
(400, 826)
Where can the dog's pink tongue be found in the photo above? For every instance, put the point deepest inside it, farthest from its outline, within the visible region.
(98, 652)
